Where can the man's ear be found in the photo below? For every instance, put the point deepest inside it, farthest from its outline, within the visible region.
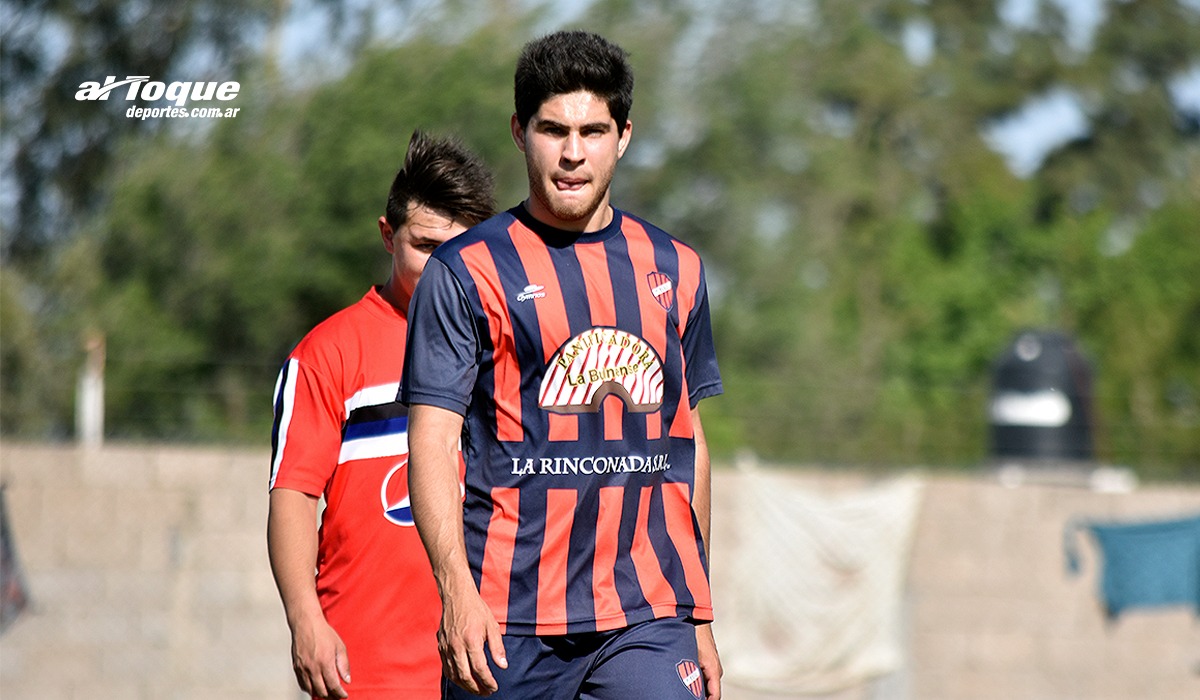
(518, 133)
(623, 142)
(388, 234)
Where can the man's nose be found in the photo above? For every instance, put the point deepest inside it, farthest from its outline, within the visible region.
(573, 148)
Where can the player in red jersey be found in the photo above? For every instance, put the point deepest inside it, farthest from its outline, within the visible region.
(340, 433)
(568, 343)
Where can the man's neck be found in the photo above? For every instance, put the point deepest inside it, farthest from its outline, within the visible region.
(601, 217)
(392, 294)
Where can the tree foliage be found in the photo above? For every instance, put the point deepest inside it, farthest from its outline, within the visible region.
(869, 252)
(873, 255)
(217, 254)
(56, 148)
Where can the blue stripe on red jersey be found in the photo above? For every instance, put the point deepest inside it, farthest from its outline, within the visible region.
(576, 359)
(358, 427)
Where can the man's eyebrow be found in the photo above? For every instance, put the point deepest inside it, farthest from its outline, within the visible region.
(551, 123)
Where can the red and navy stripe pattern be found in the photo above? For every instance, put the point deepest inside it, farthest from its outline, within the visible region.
(576, 361)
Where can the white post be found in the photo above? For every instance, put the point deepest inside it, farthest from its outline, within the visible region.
(89, 395)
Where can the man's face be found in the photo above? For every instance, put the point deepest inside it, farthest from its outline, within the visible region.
(414, 241)
(571, 149)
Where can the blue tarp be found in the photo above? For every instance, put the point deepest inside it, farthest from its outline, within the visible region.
(1146, 564)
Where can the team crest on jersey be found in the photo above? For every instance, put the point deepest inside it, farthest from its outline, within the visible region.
(662, 288)
(599, 362)
(394, 495)
(689, 675)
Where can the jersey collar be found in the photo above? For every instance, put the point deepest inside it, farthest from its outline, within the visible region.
(559, 238)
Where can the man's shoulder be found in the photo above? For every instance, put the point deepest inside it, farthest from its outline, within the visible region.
(347, 325)
(654, 232)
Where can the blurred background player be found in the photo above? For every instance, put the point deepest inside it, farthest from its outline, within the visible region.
(569, 344)
(340, 433)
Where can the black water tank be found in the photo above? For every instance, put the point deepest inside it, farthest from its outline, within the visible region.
(1040, 407)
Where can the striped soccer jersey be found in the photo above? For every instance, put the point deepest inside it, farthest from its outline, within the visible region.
(575, 360)
(339, 432)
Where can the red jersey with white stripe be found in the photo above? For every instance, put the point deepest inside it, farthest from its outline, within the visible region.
(340, 433)
(576, 360)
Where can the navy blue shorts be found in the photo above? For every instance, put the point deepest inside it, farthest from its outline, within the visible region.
(654, 659)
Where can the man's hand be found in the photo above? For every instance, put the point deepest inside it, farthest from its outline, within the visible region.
(319, 660)
(318, 654)
(709, 660)
(469, 630)
(467, 625)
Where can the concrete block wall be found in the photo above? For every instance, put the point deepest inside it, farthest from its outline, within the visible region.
(149, 579)
(991, 611)
(994, 613)
(148, 576)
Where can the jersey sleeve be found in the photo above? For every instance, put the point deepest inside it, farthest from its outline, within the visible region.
(442, 353)
(306, 439)
(700, 356)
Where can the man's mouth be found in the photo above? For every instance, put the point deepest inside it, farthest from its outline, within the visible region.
(569, 184)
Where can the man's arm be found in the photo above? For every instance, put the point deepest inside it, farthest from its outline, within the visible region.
(709, 660)
(702, 498)
(318, 654)
(433, 487)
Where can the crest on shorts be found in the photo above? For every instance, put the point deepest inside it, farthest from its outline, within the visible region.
(689, 675)
(662, 288)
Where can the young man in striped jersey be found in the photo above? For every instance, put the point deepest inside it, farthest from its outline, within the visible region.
(340, 433)
(568, 344)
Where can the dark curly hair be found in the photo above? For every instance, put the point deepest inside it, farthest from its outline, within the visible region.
(570, 61)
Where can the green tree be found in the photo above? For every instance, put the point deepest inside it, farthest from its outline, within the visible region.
(219, 253)
(871, 255)
(58, 148)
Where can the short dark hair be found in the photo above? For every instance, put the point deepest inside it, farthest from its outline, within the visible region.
(443, 175)
(570, 61)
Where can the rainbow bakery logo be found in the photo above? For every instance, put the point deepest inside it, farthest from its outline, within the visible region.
(599, 362)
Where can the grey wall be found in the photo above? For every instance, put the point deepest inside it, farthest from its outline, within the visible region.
(148, 572)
